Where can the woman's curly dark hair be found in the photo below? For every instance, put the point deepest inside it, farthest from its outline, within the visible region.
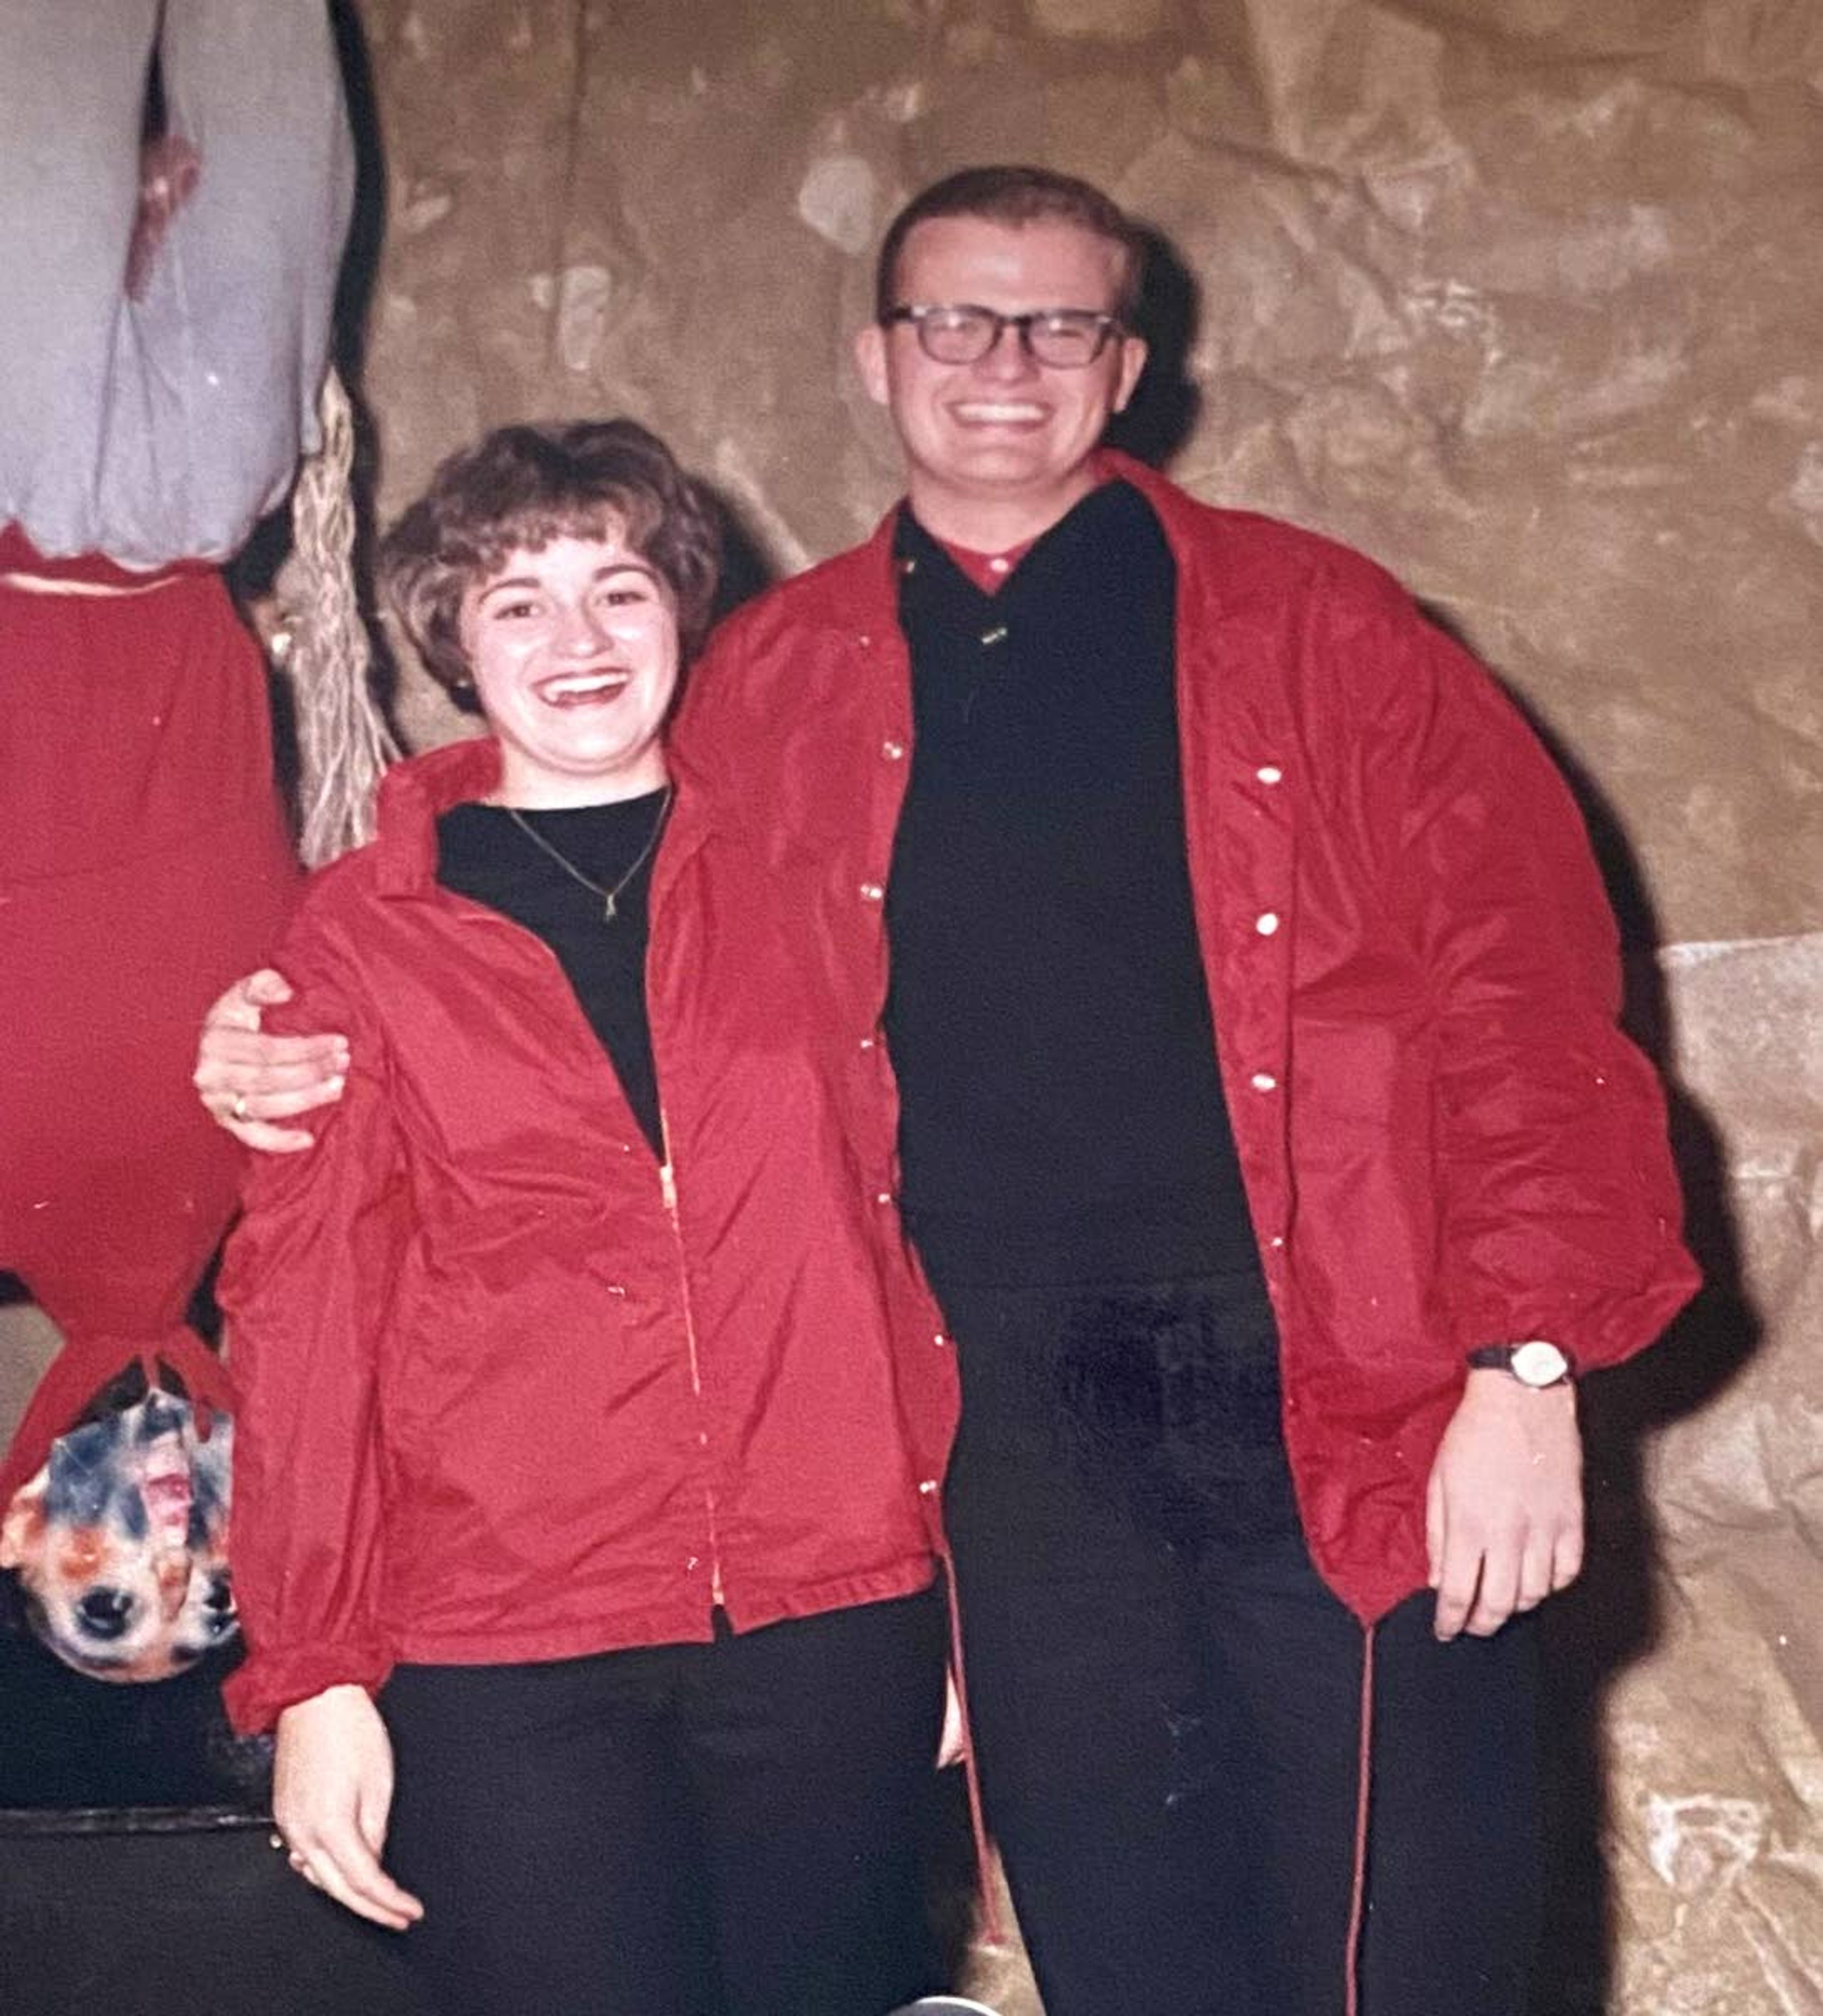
(523, 486)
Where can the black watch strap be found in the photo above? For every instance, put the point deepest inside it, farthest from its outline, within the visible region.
(1537, 1363)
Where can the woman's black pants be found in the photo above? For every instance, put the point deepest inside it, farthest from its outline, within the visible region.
(731, 1829)
(1167, 1701)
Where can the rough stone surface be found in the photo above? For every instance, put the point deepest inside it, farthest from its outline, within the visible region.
(1522, 298)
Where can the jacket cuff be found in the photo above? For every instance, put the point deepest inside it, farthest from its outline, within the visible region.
(267, 1682)
(1596, 1332)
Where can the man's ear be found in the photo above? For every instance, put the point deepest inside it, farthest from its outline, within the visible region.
(870, 362)
(23, 1524)
(1132, 362)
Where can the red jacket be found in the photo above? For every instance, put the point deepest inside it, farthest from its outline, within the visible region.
(509, 1391)
(1444, 1140)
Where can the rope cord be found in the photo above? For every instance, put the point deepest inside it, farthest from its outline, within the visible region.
(344, 743)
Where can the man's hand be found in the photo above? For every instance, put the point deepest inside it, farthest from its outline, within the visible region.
(332, 1792)
(1504, 1515)
(249, 1081)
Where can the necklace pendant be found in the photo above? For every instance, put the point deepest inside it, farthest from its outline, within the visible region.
(609, 908)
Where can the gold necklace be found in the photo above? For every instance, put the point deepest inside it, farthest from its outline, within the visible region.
(609, 897)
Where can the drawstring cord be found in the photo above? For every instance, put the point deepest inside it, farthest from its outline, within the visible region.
(1358, 1895)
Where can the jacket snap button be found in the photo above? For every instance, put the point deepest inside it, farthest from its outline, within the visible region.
(928, 1485)
(1266, 922)
(883, 1196)
(871, 892)
(866, 1043)
(1269, 773)
(939, 1338)
(893, 751)
(1264, 1082)
(997, 635)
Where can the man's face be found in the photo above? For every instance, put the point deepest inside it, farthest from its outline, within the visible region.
(1005, 434)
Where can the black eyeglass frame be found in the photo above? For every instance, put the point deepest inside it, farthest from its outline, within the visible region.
(918, 314)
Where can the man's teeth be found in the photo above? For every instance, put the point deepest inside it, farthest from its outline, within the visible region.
(1000, 410)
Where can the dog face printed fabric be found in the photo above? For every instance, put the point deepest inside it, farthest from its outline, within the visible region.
(120, 1543)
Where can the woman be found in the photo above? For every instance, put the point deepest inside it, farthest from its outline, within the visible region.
(591, 1409)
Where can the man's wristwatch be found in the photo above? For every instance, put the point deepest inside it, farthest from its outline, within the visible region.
(1534, 1363)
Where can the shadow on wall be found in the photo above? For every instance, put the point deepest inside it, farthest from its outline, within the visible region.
(1611, 1617)
(1162, 413)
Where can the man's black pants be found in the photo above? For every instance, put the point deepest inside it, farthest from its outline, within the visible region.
(1167, 1701)
(732, 1829)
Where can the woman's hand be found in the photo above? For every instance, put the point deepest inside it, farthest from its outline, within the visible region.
(332, 1792)
(249, 1081)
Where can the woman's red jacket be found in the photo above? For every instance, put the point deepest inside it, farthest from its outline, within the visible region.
(511, 1391)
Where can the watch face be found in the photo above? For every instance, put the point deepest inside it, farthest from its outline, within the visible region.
(1539, 1363)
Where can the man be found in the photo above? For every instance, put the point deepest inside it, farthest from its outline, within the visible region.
(1256, 1105)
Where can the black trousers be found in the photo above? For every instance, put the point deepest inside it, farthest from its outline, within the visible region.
(1167, 1701)
(732, 1829)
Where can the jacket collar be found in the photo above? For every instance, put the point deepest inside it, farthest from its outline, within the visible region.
(859, 589)
(415, 794)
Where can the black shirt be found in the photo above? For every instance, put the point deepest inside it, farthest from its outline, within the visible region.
(482, 853)
(1061, 1115)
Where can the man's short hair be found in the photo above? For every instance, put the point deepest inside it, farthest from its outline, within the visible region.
(524, 486)
(1018, 195)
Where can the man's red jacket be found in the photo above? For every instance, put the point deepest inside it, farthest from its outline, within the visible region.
(1446, 1141)
(510, 1390)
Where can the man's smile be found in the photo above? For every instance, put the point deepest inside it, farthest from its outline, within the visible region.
(979, 412)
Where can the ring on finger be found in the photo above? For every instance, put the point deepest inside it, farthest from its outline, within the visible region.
(239, 1108)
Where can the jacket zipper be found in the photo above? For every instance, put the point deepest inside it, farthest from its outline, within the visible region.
(668, 1185)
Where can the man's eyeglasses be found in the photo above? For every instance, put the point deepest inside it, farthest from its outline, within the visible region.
(1066, 339)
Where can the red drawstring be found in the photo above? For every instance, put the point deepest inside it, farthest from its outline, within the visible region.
(1358, 1899)
(85, 1365)
(992, 1933)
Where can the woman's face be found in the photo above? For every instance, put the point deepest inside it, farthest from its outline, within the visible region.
(574, 656)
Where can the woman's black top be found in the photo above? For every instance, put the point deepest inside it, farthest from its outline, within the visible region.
(482, 853)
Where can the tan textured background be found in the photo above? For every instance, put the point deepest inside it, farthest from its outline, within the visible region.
(1523, 298)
